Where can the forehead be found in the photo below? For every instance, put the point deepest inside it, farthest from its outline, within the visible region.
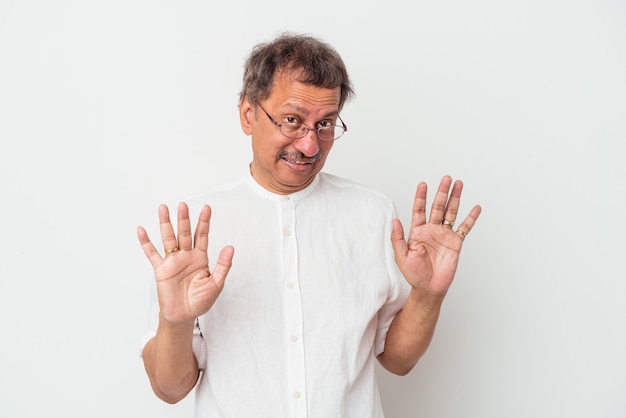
(287, 88)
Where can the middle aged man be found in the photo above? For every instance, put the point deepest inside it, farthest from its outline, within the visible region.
(324, 281)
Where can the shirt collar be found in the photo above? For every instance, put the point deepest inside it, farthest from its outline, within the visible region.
(300, 194)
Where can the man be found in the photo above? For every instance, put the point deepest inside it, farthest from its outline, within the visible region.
(323, 282)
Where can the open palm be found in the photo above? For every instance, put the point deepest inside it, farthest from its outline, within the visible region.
(428, 258)
(186, 287)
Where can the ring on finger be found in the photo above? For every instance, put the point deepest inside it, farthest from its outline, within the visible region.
(171, 250)
(461, 233)
(447, 222)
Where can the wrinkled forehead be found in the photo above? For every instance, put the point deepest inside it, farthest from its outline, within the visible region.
(290, 85)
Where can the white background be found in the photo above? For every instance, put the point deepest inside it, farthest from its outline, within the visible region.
(109, 108)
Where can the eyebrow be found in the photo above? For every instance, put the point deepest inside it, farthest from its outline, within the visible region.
(306, 112)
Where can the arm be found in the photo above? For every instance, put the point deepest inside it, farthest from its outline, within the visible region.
(428, 260)
(186, 289)
(170, 362)
(411, 332)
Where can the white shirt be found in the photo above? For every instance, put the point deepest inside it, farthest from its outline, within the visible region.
(306, 305)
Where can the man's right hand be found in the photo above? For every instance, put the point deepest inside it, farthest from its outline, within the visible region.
(186, 287)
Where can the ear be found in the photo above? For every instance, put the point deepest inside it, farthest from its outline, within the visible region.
(246, 115)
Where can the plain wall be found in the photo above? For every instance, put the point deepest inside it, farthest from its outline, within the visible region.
(108, 108)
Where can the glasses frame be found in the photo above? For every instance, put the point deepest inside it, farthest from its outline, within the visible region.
(317, 130)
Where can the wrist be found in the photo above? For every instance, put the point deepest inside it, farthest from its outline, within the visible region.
(175, 327)
(425, 299)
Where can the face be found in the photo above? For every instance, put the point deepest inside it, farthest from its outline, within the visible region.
(280, 164)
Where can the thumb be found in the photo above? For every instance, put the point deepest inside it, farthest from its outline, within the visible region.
(398, 242)
(224, 262)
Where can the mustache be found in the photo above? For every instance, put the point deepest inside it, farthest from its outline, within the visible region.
(297, 156)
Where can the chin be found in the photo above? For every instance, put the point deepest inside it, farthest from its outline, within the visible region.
(297, 182)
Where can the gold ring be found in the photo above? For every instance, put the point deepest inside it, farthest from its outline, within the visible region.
(447, 222)
(172, 250)
(461, 233)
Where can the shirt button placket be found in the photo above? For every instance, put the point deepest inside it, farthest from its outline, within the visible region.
(293, 311)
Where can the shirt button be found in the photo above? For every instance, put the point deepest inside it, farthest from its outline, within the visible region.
(290, 285)
(287, 232)
(294, 338)
(296, 395)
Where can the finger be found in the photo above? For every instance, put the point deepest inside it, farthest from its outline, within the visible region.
(468, 223)
(452, 207)
(439, 203)
(418, 217)
(224, 262)
(148, 248)
(167, 231)
(201, 235)
(398, 242)
(184, 227)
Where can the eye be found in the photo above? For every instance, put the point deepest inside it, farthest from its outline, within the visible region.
(291, 119)
(324, 124)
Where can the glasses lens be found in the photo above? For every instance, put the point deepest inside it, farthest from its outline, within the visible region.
(328, 133)
(335, 132)
(298, 130)
(293, 130)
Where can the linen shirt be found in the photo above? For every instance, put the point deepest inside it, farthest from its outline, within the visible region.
(306, 305)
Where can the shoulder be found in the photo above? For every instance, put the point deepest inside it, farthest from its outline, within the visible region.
(344, 186)
(353, 197)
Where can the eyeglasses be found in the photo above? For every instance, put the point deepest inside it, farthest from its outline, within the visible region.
(326, 131)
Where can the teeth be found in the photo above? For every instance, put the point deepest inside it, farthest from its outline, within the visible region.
(296, 162)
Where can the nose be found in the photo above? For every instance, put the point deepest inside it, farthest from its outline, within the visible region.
(308, 144)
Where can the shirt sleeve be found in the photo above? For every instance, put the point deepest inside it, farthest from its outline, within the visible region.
(199, 347)
(398, 293)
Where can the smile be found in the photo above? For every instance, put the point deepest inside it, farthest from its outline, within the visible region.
(298, 158)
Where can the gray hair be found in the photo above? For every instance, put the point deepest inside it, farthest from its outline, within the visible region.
(312, 61)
